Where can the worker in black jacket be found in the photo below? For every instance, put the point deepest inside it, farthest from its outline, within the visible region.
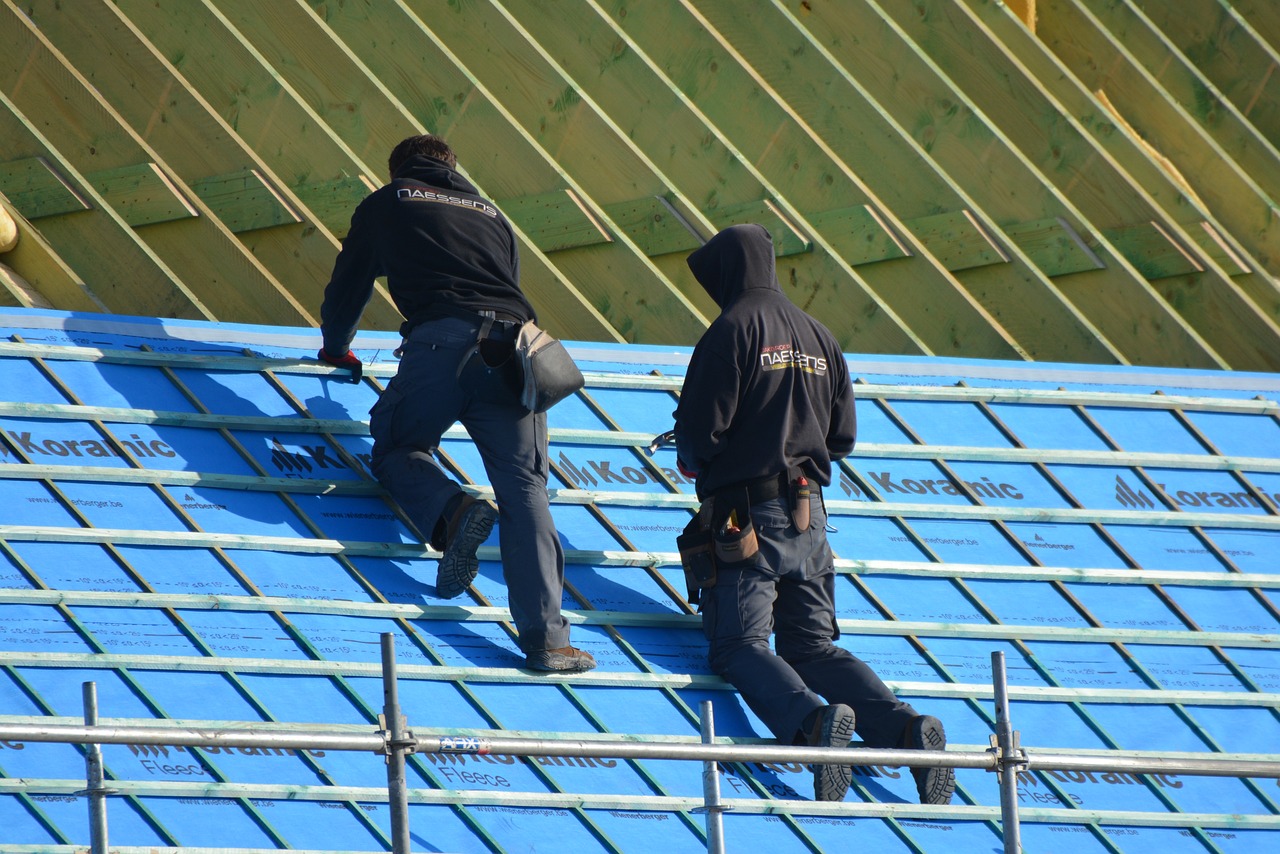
(453, 270)
(766, 407)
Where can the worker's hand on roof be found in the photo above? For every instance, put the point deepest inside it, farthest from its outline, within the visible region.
(347, 360)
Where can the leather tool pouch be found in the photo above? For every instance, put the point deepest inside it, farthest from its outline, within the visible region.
(697, 554)
(735, 536)
(549, 372)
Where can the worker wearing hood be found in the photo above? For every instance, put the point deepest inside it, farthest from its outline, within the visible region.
(766, 408)
(767, 388)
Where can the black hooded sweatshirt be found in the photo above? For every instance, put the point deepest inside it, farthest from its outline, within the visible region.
(442, 247)
(767, 388)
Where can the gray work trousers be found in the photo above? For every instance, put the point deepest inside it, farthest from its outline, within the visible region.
(789, 590)
(425, 398)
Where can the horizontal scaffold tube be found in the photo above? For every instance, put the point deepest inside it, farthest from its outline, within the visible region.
(377, 742)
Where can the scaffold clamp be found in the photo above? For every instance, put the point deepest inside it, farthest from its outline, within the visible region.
(1017, 760)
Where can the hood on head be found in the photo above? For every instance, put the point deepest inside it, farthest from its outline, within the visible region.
(738, 258)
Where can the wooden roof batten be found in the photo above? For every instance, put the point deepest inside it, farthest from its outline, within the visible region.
(1003, 196)
(1227, 171)
(173, 222)
(863, 309)
(1076, 180)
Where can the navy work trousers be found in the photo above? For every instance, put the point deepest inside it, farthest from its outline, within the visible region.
(789, 590)
(425, 398)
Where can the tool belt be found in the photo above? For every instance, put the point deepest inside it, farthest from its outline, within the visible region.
(722, 533)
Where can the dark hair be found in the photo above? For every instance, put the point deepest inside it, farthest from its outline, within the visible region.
(428, 144)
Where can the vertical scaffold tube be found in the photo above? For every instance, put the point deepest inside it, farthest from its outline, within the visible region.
(393, 722)
(1009, 750)
(711, 785)
(93, 771)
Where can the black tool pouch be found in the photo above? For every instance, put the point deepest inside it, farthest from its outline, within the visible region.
(549, 373)
(697, 554)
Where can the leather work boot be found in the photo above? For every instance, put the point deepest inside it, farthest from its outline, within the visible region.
(467, 529)
(935, 785)
(566, 659)
(834, 728)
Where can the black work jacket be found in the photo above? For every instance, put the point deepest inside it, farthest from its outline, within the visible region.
(442, 247)
(767, 389)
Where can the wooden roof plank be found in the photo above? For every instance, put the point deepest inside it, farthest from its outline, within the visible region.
(1263, 16)
(1232, 172)
(142, 194)
(244, 201)
(229, 281)
(1222, 44)
(37, 190)
(14, 291)
(555, 221)
(957, 240)
(1054, 246)
(867, 230)
(333, 200)
(369, 133)
(787, 240)
(653, 224)
(1215, 245)
(1030, 138)
(715, 112)
(121, 271)
(831, 77)
(1152, 250)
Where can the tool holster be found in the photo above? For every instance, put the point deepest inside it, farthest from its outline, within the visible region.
(697, 553)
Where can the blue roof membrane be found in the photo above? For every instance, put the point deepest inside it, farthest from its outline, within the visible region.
(216, 550)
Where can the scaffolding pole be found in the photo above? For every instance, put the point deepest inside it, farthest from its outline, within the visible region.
(375, 742)
(711, 785)
(1009, 758)
(96, 792)
(399, 741)
(394, 741)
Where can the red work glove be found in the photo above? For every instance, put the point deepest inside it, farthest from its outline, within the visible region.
(348, 360)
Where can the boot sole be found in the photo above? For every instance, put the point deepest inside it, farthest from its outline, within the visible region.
(562, 664)
(459, 564)
(831, 782)
(934, 785)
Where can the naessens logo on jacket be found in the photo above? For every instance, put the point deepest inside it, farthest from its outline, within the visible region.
(780, 357)
(416, 194)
